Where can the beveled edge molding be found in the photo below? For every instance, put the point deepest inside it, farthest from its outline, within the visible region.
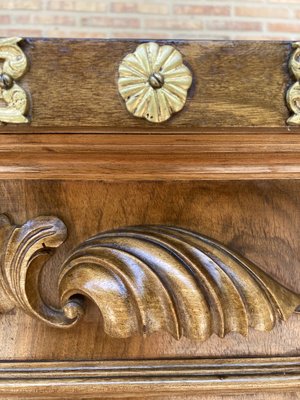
(147, 378)
(117, 158)
(14, 66)
(143, 279)
(153, 81)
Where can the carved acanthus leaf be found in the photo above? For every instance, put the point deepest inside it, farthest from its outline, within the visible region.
(143, 279)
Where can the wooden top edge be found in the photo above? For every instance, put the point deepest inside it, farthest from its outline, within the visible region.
(141, 40)
(104, 130)
(72, 85)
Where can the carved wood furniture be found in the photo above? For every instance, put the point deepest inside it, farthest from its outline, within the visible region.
(149, 219)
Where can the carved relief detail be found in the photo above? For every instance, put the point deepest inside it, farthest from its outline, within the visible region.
(13, 68)
(143, 279)
(293, 94)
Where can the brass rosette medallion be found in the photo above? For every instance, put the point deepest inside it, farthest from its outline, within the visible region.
(154, 82)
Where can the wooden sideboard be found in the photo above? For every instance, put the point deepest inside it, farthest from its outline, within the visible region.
(149, 219)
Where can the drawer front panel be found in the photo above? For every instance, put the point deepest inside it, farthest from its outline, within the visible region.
(73, 86)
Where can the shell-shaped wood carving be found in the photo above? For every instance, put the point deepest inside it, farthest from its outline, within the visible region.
(13, 68)
(143, 279)
(154, 82)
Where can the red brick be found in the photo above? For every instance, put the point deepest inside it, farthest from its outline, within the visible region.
(48, 19)
(20, 4)
(45, 19)
(5, 19)
(136, 7)
(111, 22)
(18, 32)
(284, 27)
(77, 5)
(62, 33)
(234, 25)
(262, 12)
(23, 19)
(185, 9)
(174, 24)
(260, 37)
(195, 19)
(286, 1)
(141, 35)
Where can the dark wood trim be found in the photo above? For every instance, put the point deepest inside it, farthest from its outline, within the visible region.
(90, 379)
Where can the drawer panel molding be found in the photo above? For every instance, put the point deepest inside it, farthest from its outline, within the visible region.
(148, 378)
(143, 279)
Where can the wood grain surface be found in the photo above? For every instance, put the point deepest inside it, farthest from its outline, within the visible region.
(260, 220)
(149, 157)
(73, 87)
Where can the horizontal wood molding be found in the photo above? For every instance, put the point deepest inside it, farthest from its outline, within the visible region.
(106, 379)
(73, 86)
(149, 157)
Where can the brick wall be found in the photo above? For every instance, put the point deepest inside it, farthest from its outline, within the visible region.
(195, 19)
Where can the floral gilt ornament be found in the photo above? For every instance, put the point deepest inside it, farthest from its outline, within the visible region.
(154, 82)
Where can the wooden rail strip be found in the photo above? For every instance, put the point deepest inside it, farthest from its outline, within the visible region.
(153, 157)
(90, 379)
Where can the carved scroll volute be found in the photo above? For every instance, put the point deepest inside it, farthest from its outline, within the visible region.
(24, 251)
(13, 68)
(143, 279)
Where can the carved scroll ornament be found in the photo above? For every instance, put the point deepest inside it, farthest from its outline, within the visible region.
(293, 94)
(143, 279)
(13, 68)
